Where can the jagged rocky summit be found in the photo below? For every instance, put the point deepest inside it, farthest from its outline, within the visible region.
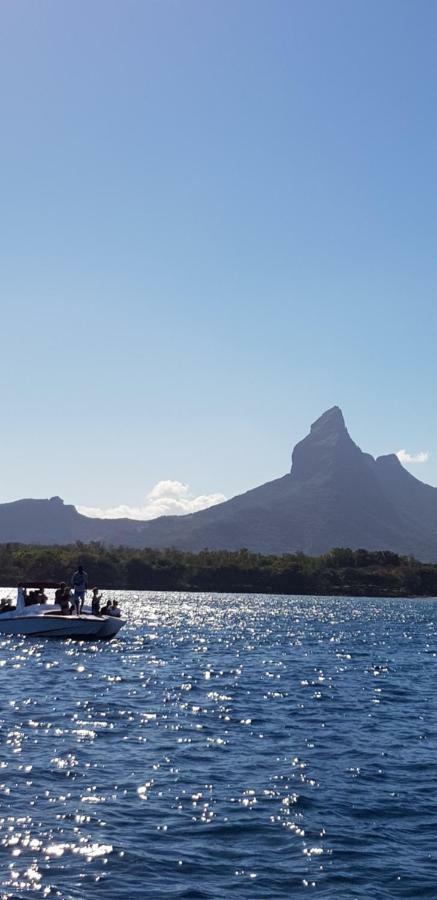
(334, 496)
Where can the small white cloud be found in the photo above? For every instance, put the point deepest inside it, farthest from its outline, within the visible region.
(406, 458)
(169, 489)
(167, 498)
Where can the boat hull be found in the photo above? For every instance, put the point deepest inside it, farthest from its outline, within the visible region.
(81, 628)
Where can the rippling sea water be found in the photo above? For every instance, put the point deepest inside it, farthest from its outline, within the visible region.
(224, 745)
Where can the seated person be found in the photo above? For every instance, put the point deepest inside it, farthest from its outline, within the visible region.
(95, 602)
(105, 610)
(114, 610)
(42, 597)
(65, 605)
(59, 592)
(62, 597)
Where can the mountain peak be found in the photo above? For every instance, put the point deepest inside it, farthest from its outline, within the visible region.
(390, 460)
(327, 444)
(331, 421)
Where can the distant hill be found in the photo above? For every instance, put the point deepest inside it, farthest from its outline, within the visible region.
(334, 496)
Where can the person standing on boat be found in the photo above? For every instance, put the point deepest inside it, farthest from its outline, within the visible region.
(21, 599)
(79, 583)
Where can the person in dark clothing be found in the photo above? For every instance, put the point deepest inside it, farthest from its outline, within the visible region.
(95, 602)
(62, 598)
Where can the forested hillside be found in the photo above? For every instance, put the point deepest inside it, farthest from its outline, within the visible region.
(341, 571)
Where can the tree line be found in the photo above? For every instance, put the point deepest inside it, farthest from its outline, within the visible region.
(340, 572)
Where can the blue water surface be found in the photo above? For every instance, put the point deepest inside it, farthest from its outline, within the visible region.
(223, 745)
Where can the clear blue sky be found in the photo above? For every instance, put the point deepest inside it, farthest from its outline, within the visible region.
(218, 219)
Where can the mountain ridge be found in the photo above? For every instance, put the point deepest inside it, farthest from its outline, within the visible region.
(334, 495)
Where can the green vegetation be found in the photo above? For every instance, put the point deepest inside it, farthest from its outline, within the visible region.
(341, 571)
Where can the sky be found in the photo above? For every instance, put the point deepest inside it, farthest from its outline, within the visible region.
(217, 221)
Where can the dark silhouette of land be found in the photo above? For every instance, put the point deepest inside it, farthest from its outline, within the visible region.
(341, 571)
(334, 496)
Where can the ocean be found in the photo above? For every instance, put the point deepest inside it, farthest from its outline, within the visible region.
(224, 746)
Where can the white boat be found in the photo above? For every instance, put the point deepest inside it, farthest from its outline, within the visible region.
(46, 620)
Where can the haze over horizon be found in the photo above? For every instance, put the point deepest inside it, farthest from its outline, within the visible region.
(217, 223)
